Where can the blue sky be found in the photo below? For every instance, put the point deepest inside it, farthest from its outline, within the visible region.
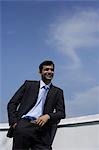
(66, 32)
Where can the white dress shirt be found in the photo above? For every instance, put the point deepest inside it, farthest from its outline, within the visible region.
(37, 110)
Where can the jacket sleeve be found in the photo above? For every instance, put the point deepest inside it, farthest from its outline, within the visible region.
(14, 103)
(59, 112)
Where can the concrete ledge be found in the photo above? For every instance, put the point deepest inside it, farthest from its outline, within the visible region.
(83, 119)
(80, 133)
(79, 121)
(90, 119)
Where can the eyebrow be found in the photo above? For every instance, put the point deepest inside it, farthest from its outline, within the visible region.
(49, 68)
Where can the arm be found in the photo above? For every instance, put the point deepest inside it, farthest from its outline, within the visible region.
(59, 108)
(14, 103)
(59, 113)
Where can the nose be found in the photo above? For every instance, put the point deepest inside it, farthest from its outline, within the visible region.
(50, 70)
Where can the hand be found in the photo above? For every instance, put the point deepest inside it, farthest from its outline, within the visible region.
(14, 125)
(42, 120)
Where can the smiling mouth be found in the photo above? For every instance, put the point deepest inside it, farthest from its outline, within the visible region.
(49, 76)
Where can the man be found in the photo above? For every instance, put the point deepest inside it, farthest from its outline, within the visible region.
(34, 109)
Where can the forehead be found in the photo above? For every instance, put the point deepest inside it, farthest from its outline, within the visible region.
(48, 66)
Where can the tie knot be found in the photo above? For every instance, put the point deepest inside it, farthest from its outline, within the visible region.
(45, 87)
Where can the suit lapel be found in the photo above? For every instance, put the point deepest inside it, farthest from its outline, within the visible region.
(32, 97)
(35, 90)
(50, 94)
(33, 94)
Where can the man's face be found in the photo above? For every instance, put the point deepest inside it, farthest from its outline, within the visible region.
(47, 73)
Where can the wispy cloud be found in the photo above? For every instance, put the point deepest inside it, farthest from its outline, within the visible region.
(85, 102)
(80, 31)
(71, 35)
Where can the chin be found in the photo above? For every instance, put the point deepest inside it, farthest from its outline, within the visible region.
(48, 78)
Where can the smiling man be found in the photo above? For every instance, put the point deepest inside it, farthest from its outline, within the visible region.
(34, 109)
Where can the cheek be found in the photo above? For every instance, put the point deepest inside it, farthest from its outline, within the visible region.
(44, 73)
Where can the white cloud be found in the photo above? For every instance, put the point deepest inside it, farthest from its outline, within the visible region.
(71, 35)
(85, 102)
(79, 31)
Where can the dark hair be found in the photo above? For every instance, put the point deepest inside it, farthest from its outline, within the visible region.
(46, 63)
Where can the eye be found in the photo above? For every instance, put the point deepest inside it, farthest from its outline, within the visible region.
(47, 69)
(52, 69)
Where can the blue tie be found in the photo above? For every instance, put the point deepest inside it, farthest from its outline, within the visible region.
(36, 111)
(43, 95)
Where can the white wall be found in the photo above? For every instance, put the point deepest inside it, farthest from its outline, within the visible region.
(78, 134)
(73, 134)
(5, 143)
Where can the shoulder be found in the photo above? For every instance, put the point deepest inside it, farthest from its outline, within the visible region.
(31, 82)
(57, 88)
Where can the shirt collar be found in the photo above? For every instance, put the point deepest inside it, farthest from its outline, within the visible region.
(42, 84)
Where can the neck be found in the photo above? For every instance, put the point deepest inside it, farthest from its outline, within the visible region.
(46, 81)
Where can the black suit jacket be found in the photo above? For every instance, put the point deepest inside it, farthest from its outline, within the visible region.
(25, 98)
